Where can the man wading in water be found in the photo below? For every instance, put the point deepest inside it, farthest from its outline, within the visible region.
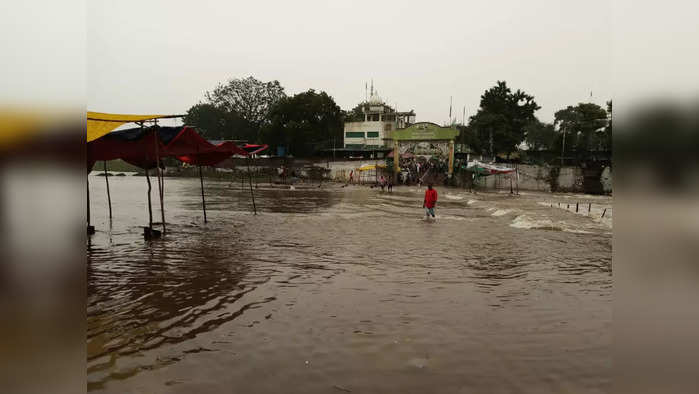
(429, 202)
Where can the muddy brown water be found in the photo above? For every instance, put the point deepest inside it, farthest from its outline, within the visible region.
(331, 290)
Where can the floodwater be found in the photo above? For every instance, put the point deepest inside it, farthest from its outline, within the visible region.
(332, 290)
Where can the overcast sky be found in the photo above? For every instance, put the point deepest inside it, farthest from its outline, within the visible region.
(161, 56)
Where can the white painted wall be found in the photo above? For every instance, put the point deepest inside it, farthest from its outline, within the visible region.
(365, 127)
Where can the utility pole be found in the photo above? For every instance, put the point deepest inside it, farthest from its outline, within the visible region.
(563, 148)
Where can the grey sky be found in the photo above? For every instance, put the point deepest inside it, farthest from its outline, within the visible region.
(161, 56)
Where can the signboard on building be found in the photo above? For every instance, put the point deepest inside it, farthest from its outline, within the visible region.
(425, 131)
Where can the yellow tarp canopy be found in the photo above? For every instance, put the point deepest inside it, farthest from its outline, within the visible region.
(99, 124)
(368, 167)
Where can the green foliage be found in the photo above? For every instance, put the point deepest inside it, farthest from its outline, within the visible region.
(249, 98)
(585, 128)
(236, 110)
(502, 118)
(468, 135)
(218, 124)
(540, 136)
(355, 114)
(305, 123)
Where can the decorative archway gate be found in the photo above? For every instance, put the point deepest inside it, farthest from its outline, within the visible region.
(424, 139)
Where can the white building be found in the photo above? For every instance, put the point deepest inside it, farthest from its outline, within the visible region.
(374, 131)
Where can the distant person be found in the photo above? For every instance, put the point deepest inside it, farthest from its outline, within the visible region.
(382, 182)
(430, 201)
(390, 185)
(351, 176)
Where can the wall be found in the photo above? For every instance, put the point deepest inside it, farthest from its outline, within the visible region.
(531, 177)
(539, 178)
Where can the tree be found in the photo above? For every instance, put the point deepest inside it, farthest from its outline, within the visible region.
(218, 124)
(469, 137)
(607, 139)
(582, 128)
(502, 117)
(305, 123)
(356, 114)
(539, 135)
(249, 98)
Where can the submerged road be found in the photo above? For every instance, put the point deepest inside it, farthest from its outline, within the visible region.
(331, 290)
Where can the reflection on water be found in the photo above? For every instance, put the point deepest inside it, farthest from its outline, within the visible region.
(335, 288)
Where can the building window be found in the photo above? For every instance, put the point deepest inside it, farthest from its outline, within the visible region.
(354, 134)
(372, 134)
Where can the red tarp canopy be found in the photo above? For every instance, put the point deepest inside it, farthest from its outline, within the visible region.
(142, 147)
(213, 156)
(253, 149)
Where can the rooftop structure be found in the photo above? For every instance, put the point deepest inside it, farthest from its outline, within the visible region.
(372, 122)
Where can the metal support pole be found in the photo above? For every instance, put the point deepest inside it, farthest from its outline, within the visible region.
(563, 147)
(87, 182)
(252, 194)
(511, 190)
(150, 209)
(161, 181)
(109, 197)
(396, 161)
(203, 201)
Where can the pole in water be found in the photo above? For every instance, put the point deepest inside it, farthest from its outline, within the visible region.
(589, 207)
(603, 212)
(576, 207)
(203, 202)
(252, 194)
(511, 190)
(109, 197)
(150, 209)
(90, 228)
(161, 181)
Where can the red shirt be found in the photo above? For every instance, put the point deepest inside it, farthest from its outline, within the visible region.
(430, 198)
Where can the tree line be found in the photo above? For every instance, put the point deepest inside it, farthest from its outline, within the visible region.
(261, 112)
(506, 123)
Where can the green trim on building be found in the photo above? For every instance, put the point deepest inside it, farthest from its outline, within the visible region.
(365, 147)
(425, 131)
(372, 134)
(354, 134)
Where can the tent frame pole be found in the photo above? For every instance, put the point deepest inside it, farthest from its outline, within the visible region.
(150, 209)
(109, 196)
(161, 181)
(252, 194)
(203, 201)
(87, 182)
